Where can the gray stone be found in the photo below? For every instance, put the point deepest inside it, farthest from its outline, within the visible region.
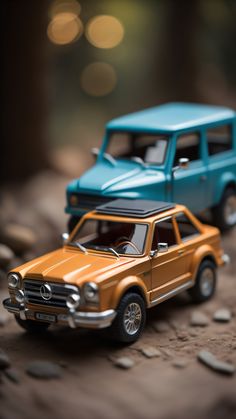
(44, 369)
(4, 360)
(12, 374)
(161, 326)
(199, 319)
(179, 363)
(4, 318)
(222, 315)
(6, 255)
(150, 352)
(18, 237)
(124, 362)
(212, 362)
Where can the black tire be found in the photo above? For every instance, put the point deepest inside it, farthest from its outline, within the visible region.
(198, 293)
(219, 212)
(118, 331)
(32, 326)
(72, 222)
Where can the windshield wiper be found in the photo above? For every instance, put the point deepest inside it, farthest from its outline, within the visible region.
(80, 246)
(109, 249)
(138, 160)
(109, 158)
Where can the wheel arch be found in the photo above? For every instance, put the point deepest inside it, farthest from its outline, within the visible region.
(203, 253)
(130, 284)
(227, 181)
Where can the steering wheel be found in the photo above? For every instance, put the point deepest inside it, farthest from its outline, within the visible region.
(129, 243)
(121, 240)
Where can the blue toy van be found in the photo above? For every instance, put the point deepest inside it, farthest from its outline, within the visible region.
(184, 153)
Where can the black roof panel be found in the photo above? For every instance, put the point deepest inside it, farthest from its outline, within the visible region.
(134, 207)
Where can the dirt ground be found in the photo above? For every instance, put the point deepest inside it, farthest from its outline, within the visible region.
(91, 385)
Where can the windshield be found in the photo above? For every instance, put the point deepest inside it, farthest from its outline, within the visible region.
(149, 148)
(113, 237)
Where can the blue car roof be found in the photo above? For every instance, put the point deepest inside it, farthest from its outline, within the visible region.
(171, 117)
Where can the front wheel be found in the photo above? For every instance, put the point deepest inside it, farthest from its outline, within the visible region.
(130, 319)
(224, 214)
(72, 222)
(32, 326)
(205, 284)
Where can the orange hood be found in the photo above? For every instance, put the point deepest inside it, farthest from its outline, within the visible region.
(74, 267)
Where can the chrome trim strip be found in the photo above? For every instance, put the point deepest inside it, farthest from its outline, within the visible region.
(172, 293)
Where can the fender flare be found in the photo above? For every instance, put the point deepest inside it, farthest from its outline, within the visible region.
(227, 179)
(201, 253)
(124, 285)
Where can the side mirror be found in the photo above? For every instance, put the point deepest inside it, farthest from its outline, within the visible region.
(95, 151)
(64, 238)
(161, 248)
(183, 163)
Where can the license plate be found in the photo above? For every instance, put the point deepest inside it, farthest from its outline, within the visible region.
(46, 317)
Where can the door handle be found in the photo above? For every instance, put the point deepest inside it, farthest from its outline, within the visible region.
(203, 178)
(181, 252)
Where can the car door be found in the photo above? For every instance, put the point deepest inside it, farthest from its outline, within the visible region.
(189, 187)
(169, 268)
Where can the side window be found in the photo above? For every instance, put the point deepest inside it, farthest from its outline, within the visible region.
(188, 145)
(219, 139)
(164, 233)
(186, 228)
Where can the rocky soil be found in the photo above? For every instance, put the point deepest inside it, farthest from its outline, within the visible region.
(183, 366)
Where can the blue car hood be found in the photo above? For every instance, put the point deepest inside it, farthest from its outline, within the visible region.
(105, 179)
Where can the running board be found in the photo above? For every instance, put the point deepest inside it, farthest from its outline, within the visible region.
(172, 293)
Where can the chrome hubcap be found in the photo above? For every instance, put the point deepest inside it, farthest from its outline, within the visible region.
(132, 318)
(230, 210)
(207, 282)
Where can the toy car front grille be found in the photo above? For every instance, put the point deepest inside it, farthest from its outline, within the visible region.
(59, 293)
(90, 202)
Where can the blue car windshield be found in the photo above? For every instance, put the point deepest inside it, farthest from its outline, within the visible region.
(147, 148)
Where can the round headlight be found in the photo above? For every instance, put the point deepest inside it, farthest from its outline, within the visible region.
(91, 292)
(73, 300)
(13, 280)
(20, 296)
(73, 199)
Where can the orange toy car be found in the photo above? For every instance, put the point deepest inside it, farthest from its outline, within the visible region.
(120, 259)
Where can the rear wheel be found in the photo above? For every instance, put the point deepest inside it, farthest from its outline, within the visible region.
(224, 214)
(32, 326)
(205, 284)
(130, 319)
(72, 222)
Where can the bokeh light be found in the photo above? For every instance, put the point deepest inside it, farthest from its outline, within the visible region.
(64, 28)
(98, 79)
(104, 31)
(64, 6)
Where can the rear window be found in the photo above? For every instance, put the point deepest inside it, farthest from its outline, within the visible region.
(219, 139)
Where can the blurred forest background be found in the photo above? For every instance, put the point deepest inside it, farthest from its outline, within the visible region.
(70, 66)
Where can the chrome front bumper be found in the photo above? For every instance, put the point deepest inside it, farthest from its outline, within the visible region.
(74, 319)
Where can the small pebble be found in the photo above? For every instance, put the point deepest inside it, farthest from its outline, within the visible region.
(124, 362)
(6, 255)
(179, 363)
(150, 352)
(4, 360)
(44, 369)
(199, 319)
(4, 318)
(222, 315)
(212, 362)
(12, 374)
(161, 326)
(167, 353)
